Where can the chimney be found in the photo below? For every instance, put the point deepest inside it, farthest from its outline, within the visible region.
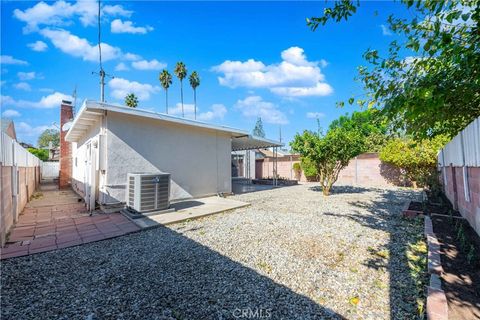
(65, 178)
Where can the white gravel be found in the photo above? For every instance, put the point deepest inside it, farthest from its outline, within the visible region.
(292, 254)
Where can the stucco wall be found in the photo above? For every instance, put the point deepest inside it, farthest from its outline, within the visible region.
(198, 160)
(79, 152)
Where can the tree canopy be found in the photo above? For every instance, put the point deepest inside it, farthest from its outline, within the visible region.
(258, 130)
(47, 136)
(329, 153)
(131, 100)
(428, 83)
(41, 154)
(418, 159)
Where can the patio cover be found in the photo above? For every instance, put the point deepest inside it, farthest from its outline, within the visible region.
(249, 142)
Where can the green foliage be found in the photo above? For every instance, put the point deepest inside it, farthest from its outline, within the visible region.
(258, 130)
(194, 80)
(418, 159)
(48, 135)
(309, 168)
(329, 153)
(181, 72)
(41, 154)
(166, 81)
(297, 167)
(370, 124)
(427, 84)
(131, 100)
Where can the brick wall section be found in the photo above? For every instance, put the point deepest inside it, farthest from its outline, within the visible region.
(28, 181)
(366, 169)
(470, 210)
(65, 177)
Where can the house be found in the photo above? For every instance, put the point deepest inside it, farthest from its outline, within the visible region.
(9, 128)
(106, 142)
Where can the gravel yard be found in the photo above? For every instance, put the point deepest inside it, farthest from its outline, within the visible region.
(292, 254)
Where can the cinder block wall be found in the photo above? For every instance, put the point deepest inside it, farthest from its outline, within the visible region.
(11, 206)
(366, 169)
(468, 206)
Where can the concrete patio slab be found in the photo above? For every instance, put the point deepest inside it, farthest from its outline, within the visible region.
(190, 209)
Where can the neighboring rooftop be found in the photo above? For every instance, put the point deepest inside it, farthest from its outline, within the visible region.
(92, 111)
(9, 128)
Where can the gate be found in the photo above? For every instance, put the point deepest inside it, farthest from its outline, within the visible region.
(50, 170)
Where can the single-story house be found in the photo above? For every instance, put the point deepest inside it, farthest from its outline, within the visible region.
(109, 141)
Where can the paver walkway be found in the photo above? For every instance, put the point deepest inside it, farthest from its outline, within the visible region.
(56, 219)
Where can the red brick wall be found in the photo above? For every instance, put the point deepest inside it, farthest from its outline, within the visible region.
(65, 177)
(470, 210)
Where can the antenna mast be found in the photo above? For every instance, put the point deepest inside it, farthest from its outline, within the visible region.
(102, 73)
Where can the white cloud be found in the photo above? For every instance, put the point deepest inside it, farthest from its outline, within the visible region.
(149, 65)
(119, 26)
(315, 115)
(38, 46)
(46, 102)
(321, 89)
(217, 111)
(60, 13)
(11, 60)
(385, 30)
(79, 47)
(25, 76)
(255, 106)
(24, 129)
(10, 113)
(131, 56)
(121, 67)
(46, 90)
(121, 87)
(23, 86)
(294, 76)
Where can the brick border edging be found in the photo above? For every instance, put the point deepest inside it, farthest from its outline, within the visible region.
(410, 213)
(437, 307)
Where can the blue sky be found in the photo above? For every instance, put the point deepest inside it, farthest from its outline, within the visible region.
(254, 59)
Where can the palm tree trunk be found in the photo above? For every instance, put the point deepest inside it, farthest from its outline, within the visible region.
(195, 102)
(181, 96)
(166, 101)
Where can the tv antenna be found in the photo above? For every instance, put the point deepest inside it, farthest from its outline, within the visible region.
(74, 95)
(102, 73)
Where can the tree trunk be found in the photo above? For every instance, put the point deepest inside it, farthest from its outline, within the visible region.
(326, 191)
(195, 102)
(166, 101)
(414, 184)
(181, 96)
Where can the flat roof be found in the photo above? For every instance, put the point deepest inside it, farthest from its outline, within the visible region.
(92, 111)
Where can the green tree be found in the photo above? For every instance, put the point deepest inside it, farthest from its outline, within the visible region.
(258, 130)
(428, 82)
(131, 100)
(194, 83)
(329, 153)
(370, 124)
(47, 136)
(166, 81)
(181, 73)
(417, 159)
(41, 154)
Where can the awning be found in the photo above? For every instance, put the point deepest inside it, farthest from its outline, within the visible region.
(249, 142)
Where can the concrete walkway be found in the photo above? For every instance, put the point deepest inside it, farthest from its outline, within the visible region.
(56, 219)
(190, 209)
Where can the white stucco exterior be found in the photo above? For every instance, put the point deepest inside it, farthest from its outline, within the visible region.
(108, 142)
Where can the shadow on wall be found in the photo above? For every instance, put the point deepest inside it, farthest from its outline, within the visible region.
(158, 273)
(405, 236)
(393, 175)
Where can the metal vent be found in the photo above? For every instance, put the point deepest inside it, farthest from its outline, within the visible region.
(148, 191)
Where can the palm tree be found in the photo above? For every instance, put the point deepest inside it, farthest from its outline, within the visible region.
(131, 100)
(194, 82)
(181, 73)
(165, 80)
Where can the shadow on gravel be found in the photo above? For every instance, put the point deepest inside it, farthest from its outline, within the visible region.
(406, 286)
(341, 189)
(155, 274)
